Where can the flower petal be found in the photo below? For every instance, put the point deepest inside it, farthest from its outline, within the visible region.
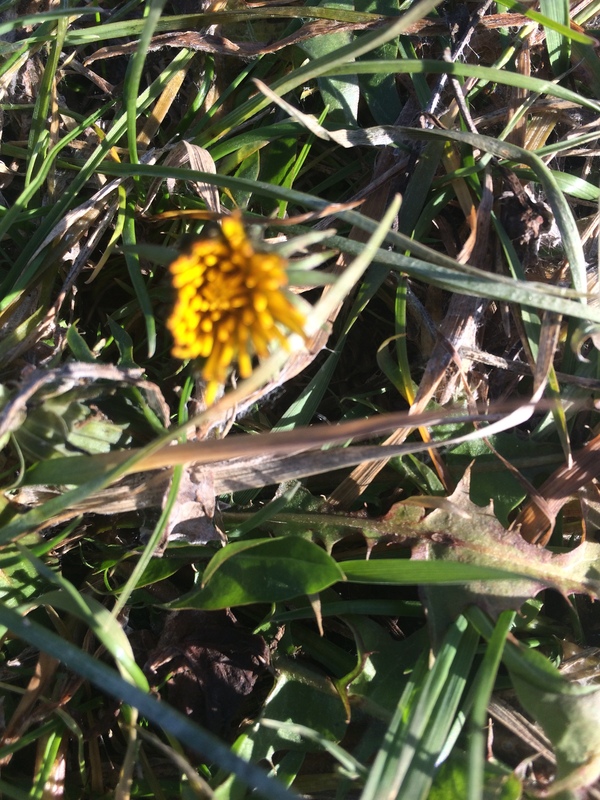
(230, 303)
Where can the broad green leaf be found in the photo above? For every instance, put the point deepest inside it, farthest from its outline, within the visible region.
(78, 346)
(263, 571)
(351, 767)
(295, 697)
(340, 95)
(124, 343)
(569, 718)
(311, 714)
(159, 569)
(379, 679)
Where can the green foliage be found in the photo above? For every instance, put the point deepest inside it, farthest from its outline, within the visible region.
(452, 781)
(262, 572)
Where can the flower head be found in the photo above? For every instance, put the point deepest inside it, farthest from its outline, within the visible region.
(231, 302)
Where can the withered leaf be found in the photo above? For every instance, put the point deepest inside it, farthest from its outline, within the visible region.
(193, 517)
(524, 219)
(210, 43)
(210, 665)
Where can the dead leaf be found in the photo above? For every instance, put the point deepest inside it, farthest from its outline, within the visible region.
(524, 219)
(24, 714)
(536, 521)
(210, 43)
(210, 665)
(185, 154)
(192, 519)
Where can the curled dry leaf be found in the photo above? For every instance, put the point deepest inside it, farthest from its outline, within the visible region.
(193, 516)
(240, 462)
(536, 520)
(209, 43)
(185, 154)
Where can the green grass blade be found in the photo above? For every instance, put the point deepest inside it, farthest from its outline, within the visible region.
(459, 69)
(482, 692)
(134, 74)
(548, 22)
(557, 41)
(404, 765)
(135, 273)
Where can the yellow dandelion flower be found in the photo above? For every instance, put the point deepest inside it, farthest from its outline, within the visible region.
(231, 303)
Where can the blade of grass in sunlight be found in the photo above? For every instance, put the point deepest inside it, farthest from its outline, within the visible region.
(406, 760)
(324, 65)
(135, 69)
(550, 22)
(92, 165)
(482, 692)
(557, 42)
(135, 273)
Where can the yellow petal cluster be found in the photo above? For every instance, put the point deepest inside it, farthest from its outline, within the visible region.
(230, 304)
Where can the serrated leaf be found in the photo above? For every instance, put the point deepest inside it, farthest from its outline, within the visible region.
(263, 571)
(312, 518)
(468, 534)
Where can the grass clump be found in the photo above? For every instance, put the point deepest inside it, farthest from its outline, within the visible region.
(348, 550)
